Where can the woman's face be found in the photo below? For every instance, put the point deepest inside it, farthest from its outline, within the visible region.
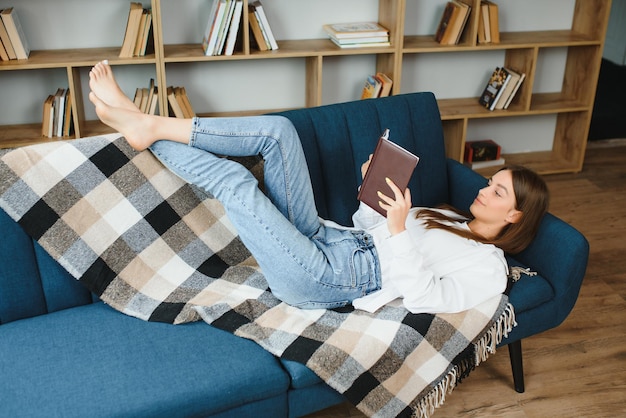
(495, 203)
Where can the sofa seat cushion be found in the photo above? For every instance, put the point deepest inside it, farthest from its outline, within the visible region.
(300, 375)
(94, 361)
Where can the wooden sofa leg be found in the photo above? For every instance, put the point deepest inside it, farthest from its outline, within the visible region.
(515, 354)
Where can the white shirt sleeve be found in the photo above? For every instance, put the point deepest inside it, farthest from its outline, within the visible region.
(365, 217)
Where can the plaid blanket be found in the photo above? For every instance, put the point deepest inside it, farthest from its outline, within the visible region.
(156, 248)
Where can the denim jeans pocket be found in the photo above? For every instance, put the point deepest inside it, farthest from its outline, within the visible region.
(352, 261)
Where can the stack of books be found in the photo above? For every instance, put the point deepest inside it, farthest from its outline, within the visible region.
(452, 22)
(260, 26)
(222, 27)
(179, 104)
(488, 23)
(13, 43)
(358, 34)
(147, 98)
(378, 85)
(482, 154)
(57, 115)
(138, 35)
(501, 88)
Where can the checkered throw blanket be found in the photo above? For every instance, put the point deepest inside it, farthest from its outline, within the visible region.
(156, 248)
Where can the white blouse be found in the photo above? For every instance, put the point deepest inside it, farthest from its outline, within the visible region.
(430, 270)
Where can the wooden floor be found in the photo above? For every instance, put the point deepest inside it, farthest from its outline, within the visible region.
(579, 368)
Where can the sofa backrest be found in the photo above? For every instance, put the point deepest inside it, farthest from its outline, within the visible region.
(338, 138)
(31, 282)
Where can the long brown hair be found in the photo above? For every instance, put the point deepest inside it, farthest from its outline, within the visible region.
(531, 198)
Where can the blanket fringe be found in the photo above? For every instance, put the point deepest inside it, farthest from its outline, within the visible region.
(485, 346)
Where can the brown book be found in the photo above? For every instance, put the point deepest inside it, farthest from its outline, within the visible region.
(391, 161)
(173, 102)
(16, 34)
(494, 24)
(132, 29)
(256, 29)
(387, 83)
(445, 21)
(4, 56)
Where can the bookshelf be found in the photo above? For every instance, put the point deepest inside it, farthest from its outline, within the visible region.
(571, 107)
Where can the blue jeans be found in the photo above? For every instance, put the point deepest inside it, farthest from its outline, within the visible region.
(305, 263)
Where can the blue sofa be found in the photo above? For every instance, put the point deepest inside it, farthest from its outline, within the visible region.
(54, 362)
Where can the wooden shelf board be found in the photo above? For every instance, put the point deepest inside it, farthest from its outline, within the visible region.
(287, 49)
(543, 103)
(543, 162)
(508, 40)
(13, 136)
(61, 58)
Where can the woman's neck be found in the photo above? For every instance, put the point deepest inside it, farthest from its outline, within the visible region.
(487, 231)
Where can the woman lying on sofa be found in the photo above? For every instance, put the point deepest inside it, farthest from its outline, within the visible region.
(435, 260)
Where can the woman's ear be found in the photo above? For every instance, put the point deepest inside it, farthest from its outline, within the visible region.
(514, 216)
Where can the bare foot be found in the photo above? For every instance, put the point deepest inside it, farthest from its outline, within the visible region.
(134, 125)
(103, 84)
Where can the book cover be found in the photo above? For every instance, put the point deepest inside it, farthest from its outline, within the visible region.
(459, 24)
(391, 161)
(5, 44)
(233, 31)
(456, 23)
(360, 44)
(224, 27)
(484, 19)
(68, 123)
(265, 25)
(209, 41)
(494, 24)
(132, 29)
(515, 89)
(371, 89)
(364, 40)
(154, 102)
(494, 88)
(48, 116)
(386, 82)
(256, 30)
(173, 102)
(508, 90)
(140, 32)
(355, 30)
(444, 22)
(16, 34)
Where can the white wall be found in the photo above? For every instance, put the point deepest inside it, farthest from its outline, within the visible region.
(263, 84)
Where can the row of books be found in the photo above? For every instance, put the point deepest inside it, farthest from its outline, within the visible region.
(452, 22)
(179, 104)
(13, 42)
(260, 26)
(147, 98)
(358, 34)
(378, 85)
(501, 88)
(138, 37)
(57, 115)
(222, 27)
(488, 23)
(483, 153)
